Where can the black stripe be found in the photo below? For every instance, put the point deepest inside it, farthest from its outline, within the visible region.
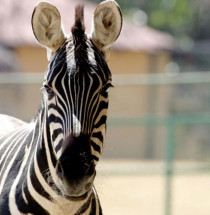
(22, 206)
(52, 156)
(55, 119)
(95, 158)
(98, 135)
(102, 121)
(85, 206)
(56, 133)
(93, 206)
(58, 147)
(96, 147)
(33, 206)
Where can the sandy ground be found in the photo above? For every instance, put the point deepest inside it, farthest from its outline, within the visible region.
(144, 194)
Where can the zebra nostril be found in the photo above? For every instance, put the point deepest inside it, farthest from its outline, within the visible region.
(59, 170)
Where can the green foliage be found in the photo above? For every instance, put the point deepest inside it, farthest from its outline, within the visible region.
(171, 16)
(179, 17)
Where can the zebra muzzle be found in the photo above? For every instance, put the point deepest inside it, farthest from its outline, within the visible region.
(76, 186)
(75, 167)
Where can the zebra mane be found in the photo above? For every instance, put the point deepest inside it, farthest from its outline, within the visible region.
(78, 29)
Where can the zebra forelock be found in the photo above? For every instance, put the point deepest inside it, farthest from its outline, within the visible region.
(78, 29)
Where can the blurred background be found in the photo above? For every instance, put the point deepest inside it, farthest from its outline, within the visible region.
(157, 155)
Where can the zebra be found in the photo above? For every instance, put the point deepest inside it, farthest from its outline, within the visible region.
(48, 166)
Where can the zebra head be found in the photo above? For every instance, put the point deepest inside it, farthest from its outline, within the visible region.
(75, 90)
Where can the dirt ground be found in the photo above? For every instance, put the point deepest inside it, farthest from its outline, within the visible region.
(140, 194)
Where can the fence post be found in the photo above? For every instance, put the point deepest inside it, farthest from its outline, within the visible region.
(169, 157)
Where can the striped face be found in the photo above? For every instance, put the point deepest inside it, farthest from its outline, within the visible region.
(76, 100)
(75, 89)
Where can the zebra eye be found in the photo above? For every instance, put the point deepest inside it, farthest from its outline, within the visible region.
(106, 87)
(49, 91)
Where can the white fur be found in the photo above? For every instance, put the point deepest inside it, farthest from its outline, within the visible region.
(76, 125)
(107, 25)
(9, 124)
(47, 27)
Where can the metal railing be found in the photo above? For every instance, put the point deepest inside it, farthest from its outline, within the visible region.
(169, 121)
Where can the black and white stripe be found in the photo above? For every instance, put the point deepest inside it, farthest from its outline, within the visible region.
(48, 166)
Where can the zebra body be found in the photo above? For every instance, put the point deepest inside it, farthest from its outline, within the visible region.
(25, 194)
(48, 165)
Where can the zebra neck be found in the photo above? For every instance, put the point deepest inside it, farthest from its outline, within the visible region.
(44, 152)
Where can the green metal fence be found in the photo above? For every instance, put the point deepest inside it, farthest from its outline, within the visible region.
(170, 120)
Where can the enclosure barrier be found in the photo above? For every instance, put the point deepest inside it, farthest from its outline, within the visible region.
(170, 121)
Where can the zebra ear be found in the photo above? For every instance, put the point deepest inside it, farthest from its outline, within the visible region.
(47, 27)
(107, 25)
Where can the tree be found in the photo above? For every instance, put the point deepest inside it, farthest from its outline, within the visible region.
(181, 18)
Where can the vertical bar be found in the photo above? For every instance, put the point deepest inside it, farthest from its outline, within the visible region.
(169, 157)
(151, 135)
